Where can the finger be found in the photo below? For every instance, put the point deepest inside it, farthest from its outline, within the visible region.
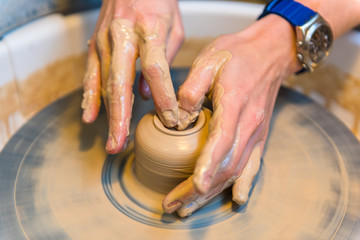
(186, 202)
(174, 42)
(121, 79)
(243, 184)
(223, 127)
(156, 69)
(144, 88)
(91, 97)
(197, 201)
(254, 129)
(176, 37)
(92, 79)
(192, 93)
(177, 196)
(250, 149)
(103, 46)
(185, 199)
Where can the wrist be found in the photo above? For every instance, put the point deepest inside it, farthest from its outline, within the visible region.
(279, 41)
(314, 36)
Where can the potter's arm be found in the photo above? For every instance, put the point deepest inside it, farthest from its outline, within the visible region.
(125, 30)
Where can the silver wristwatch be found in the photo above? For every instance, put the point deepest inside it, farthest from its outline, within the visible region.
(314, 37)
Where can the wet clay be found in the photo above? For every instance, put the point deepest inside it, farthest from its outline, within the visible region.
(156, 71)
(243, 184)
(208, 65)
(165, 157)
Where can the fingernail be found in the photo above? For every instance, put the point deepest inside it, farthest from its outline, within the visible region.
(173, 206)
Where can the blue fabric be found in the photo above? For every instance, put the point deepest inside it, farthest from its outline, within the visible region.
(295, 13)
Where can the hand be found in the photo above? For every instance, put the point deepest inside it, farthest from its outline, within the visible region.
(125, 30)
(241, 73)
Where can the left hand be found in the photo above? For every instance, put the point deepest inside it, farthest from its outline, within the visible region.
(242, 74)
(125, 30)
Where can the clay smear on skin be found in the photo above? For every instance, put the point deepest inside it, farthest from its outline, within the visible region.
(243, 184)
(216, 122)
(121, 75)
(91, 85)
(154, 59)
(215, 129)
(341, 87)
(241, 188)
(213, 64)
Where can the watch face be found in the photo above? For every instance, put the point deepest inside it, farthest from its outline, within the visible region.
(320, 43)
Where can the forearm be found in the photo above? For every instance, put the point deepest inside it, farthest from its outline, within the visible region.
(341, 15)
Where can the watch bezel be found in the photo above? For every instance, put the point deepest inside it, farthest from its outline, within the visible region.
(303, 39)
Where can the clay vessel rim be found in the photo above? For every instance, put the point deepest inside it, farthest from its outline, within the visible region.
(198, 125)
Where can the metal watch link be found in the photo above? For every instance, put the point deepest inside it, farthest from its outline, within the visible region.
(314, 36)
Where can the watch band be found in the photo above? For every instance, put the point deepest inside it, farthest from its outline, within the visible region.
(295, 13)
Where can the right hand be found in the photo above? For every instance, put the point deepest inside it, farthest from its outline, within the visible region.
(125, 30)
(241, 73)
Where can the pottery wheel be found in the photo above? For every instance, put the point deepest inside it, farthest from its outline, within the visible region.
(57, 182)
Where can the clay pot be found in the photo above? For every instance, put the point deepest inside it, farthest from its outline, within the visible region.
(165, 157)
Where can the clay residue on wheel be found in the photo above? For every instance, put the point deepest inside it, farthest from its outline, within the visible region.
(51, 82)
(10, 116)
(335, 86)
